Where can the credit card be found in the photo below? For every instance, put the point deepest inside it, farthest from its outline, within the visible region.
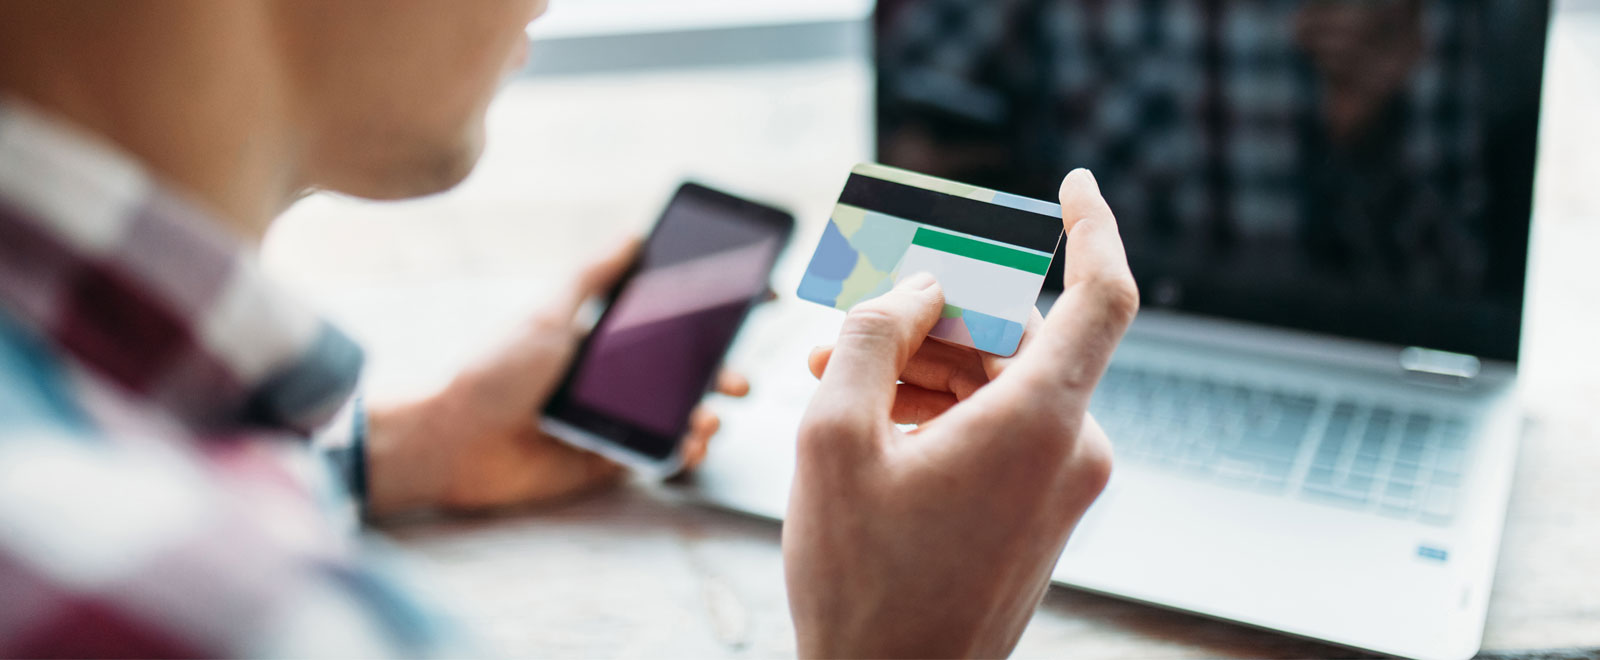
(989, 251)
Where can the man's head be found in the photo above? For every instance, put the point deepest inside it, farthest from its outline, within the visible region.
(245, 102)
(394, 92)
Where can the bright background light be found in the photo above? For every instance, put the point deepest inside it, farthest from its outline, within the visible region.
(585, 18)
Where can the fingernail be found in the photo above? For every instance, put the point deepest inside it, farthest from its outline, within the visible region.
(1084, 175)
(916, 282)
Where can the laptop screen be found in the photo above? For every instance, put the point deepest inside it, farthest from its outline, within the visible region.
(1360, 168)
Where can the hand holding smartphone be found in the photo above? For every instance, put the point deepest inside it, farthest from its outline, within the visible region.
(657, 348)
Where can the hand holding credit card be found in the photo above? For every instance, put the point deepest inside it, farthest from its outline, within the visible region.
(988, 250)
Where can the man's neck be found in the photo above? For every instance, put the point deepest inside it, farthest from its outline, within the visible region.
(192, 94)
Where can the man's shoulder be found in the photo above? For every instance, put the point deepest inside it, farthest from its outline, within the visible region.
(35, 393)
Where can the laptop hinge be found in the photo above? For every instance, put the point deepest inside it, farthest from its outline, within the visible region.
(1440, 368)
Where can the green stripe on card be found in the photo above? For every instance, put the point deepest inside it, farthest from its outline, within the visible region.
(1000, 255)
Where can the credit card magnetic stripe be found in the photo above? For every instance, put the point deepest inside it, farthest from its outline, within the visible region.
(992, 220)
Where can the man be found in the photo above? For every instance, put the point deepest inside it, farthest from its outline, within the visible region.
(160, 492)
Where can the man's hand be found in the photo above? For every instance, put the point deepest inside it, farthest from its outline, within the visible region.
(940, 542)
(477, 444)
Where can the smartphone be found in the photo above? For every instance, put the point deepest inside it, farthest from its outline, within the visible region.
(656, 350)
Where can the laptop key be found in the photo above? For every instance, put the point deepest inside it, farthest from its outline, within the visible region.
(1372, 443)
(1272, 484)
(1377, 432)
(1399, 498)
(1364, 464)
(1451, 460)
(1440, 504)
(1237, 471)
(1336, 496)
(1453, 433)
(1438, 478)
(1334, 435)
(1328, 453)
(1411, 451)
(1418, 425)
(1358, 483)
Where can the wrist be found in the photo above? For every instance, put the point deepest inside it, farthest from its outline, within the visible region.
(405, 465)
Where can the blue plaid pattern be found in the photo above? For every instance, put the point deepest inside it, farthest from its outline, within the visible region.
(161, 493)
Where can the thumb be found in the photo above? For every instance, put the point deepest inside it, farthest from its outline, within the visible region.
(530, 366)
(876, 340)
(1097, 303)
(596, 278)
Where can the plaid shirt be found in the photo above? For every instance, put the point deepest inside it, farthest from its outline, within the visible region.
(160, 492)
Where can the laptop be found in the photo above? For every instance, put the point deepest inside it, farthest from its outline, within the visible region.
(1327, 207)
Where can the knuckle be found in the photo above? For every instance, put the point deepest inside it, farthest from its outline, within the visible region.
(1118, 294)
(872, 321)
(964, 384)
(1092, 464)
(1033, 436)
(1087, 465)
(1080, 377)
(822, 432)
(1000, 422)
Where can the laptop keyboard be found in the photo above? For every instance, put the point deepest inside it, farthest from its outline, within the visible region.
(1369, 456)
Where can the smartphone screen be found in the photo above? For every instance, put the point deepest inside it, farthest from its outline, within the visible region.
(656, 350)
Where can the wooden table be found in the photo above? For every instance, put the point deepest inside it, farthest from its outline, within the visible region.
(578, 159)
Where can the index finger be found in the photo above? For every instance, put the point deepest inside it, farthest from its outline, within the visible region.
(877, 339)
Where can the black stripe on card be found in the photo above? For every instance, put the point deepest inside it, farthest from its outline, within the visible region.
(968, 216)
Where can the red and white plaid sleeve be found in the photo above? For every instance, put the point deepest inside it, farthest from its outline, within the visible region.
(140, 547)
